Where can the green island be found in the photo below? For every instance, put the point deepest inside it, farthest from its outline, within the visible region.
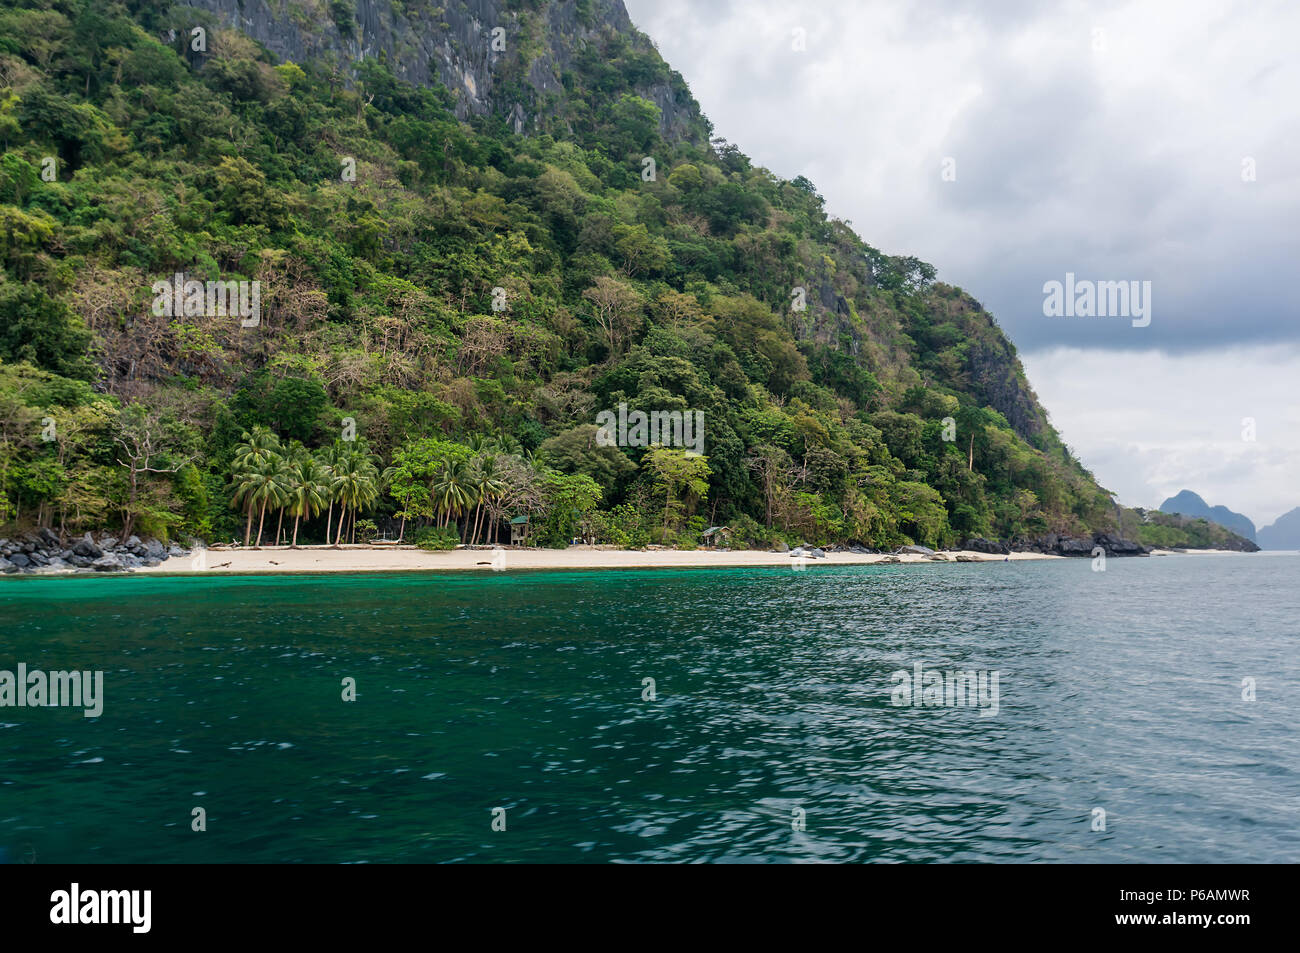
(446, 294)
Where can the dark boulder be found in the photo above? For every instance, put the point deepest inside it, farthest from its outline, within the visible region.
(86, 547)
(1073, 546)
(1055, 545)
(20, 560)
(1114, 546)
(978, 544)
(109, 562)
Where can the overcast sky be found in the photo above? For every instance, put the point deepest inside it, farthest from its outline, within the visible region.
(1115, 141)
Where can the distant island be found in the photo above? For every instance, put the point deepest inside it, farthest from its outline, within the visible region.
(1282, 533)
(1187, 503)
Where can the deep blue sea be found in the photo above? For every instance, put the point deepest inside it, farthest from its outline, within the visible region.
(772, 733)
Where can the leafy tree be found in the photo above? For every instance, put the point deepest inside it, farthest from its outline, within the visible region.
(146, 443)
(37, 328)
(573, 499)
(616, 308)
(682, 478)
(576, 451)
(292, 406)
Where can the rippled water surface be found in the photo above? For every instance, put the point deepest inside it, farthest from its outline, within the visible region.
(1119, 690)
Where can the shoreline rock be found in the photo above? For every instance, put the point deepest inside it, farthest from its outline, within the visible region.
(1058, 545)
(42, 551)
(978, 544)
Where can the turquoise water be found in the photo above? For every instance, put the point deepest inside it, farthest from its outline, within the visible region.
(1119, 690)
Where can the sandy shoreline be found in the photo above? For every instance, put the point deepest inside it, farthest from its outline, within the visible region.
(356, 559)
(388, 558)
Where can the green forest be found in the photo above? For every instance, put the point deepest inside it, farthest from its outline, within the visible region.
(446, 305)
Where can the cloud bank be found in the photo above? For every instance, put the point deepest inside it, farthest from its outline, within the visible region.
(1013, 143)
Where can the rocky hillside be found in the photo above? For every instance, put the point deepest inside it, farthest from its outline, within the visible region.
(513, 59)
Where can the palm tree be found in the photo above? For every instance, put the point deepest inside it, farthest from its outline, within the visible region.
(308, 490)
(259, 445)
(488, 488)
(340, 483)
(473, 497)
(451, 489)
(476, 497)
(260, 485)
(258, 448)
(246, 484)
(355, 485)
(508, 444)
(329, 457)
(288, 463)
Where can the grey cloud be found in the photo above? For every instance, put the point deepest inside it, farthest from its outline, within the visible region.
(1120, 168)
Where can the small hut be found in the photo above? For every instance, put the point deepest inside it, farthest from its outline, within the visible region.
(716, 536)
(519, 531)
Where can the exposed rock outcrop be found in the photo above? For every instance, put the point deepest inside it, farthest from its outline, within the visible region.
(1057, 545)
(43, 551)
(979, 544)
(492, 60)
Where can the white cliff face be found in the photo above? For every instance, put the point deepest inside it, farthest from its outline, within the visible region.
(493, 55)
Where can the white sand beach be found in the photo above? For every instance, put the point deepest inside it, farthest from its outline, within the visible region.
(271, 559)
